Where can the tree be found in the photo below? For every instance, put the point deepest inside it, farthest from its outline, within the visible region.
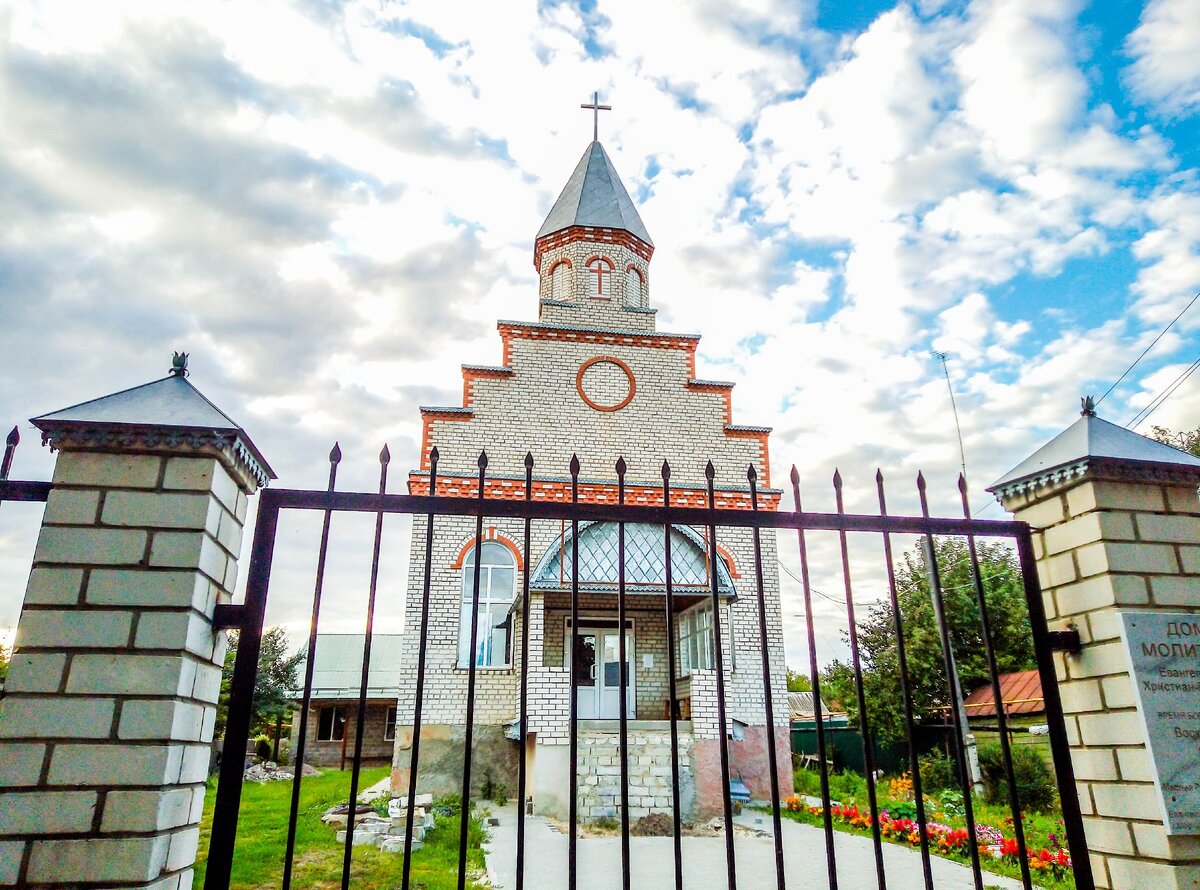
(273, 684)
(5, 658)
(1011, 636)
(798, 682)
(1188, 441)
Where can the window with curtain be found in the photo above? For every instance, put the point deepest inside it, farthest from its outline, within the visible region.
(497, 579)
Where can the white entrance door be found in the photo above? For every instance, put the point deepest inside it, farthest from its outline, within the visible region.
(596, 669)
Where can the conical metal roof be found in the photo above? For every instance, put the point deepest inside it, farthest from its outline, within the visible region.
(594, 196)
(1093, 438)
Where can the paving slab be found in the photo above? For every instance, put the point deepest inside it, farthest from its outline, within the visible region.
(652, 860)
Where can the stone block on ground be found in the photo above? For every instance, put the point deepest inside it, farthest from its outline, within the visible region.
(361, 838)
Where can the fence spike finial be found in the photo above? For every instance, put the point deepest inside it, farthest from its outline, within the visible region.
(14, 437)
(710, 472)
(962, 483)
(837, 478)
(483, 460)
(529, 460)
(666, 470)
(574, 464)
(621, 466)
(385, 456)
(434, 454)
(795, 475)
(878, 476)
(335, 453)
(750, 473)
(920, 481)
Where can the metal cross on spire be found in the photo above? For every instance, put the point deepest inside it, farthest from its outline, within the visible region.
(596, 108)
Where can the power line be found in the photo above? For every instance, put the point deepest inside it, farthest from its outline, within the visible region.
(1157, 402)
(1151, 346)
(820, 593)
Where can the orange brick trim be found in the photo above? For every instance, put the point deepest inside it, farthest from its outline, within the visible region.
(589, 492)
(517, 331)
(428, 416)
(725, 389)
(620, 364)
(471, 373)
(733, 432)
(561, 261)
(729, 563)
(591, 234)
(490, 535)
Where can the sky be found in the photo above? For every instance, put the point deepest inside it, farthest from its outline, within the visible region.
(329, 204)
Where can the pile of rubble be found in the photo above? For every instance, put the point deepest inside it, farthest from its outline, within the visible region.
(384, 832)
(268, 771)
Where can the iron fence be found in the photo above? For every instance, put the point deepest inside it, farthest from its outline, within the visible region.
(521, 504)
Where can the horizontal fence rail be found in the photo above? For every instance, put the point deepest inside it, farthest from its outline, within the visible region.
(522, 504)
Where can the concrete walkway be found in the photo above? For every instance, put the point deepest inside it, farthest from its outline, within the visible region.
(652, 860)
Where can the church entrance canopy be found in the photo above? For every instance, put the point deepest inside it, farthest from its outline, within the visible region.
(645, 562)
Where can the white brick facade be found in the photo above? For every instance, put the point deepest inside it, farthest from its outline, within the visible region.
(591, 378)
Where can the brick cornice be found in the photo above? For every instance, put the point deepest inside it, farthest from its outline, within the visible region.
(591, 235)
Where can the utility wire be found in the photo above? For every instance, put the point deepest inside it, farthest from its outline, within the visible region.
(1157, 402)
(1148, 348)
(820, 593)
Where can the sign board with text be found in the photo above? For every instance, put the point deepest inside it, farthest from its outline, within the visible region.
(1164, 650)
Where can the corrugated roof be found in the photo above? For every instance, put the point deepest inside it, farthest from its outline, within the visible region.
(1020, 691)
(595, 196)
(337, 671)
(800, 707)
(1091, 437)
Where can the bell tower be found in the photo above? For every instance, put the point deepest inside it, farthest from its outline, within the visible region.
(593, 251)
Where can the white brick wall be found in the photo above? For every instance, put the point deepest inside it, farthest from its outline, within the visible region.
(106, 728)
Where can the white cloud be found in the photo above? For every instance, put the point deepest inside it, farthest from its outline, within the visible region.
(1166, 51)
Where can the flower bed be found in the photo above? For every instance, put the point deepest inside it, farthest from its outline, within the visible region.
(1051, 863)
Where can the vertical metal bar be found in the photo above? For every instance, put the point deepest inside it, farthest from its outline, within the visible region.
(710, 473)
(572, 784)
(360, 721)
(524, 716)
(1001, 718)
(241, 698)
(465, 815)
(906, 693)
(10, 447)
(935, 583)
(621, 656)
(864, 723)
(768, 690)
(815, 680)
(1060, 746)
(335, 458)
(672, 671)
(414, 760)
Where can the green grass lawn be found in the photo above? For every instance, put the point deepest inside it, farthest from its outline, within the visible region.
(1041, 829)
(262, 838)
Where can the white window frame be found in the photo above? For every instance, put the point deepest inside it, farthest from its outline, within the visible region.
(493, 598)
(696, 624)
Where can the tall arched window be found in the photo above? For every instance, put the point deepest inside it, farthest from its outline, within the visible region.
(634, 287)
(497, 579)
(560, 281)
(600, 280)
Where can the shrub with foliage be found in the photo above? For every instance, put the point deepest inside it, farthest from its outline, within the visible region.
(1035, 785)
(938, 772)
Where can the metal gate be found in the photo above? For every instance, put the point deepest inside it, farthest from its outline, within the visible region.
(520, 502)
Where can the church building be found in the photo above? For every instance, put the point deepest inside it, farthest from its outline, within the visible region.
(592, 377)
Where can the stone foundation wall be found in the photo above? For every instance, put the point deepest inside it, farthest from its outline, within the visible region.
(440, 770)
(649, 772)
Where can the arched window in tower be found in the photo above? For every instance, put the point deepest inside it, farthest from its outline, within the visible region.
(635, 287)
(560, 281)
(497, 580)
(600, 279)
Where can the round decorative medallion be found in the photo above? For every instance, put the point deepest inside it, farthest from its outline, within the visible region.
(605, 383)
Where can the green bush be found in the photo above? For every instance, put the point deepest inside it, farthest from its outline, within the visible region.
(262, 747)
(1035, 786)
(938, 772)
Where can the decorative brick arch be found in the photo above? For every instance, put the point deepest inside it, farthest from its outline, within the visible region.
(729, 563)
(489, 534)
(560, 262)
(602, 292)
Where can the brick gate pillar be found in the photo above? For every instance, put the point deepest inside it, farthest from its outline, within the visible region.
(1116, 523)
(106, 726)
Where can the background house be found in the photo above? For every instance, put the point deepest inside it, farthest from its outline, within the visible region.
(333, 706)
(1021, 694)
